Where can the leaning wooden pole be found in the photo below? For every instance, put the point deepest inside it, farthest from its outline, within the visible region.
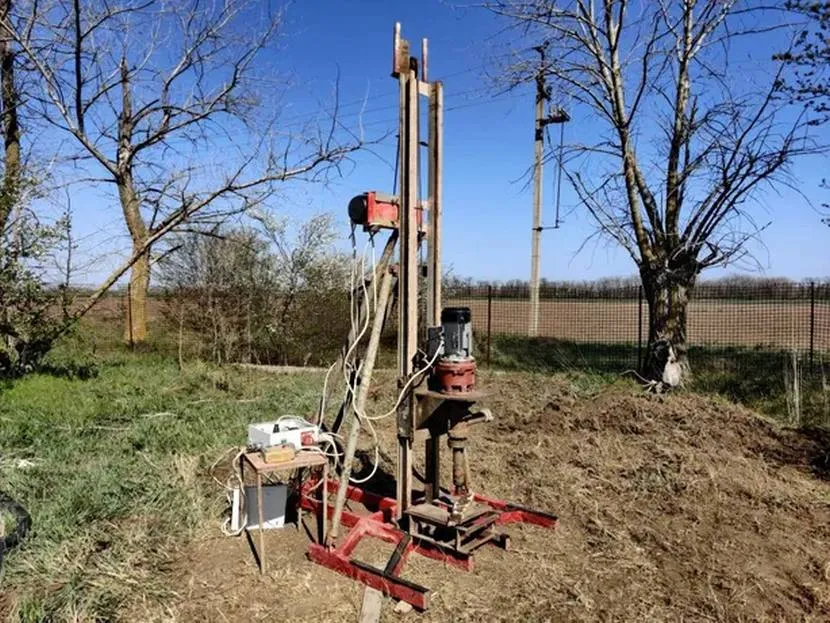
(362, 393)
(363, 309)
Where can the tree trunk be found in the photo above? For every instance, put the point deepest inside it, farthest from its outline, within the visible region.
(135, 325)
(10, 125)
(668, 298)
(10, 182)
(135, 322)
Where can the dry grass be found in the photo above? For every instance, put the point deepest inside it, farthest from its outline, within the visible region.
(671, 508)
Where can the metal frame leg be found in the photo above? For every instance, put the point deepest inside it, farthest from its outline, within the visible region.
(432, 489)
(261, 523)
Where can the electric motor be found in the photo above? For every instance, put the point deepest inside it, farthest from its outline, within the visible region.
(458, 333)
(455, 372)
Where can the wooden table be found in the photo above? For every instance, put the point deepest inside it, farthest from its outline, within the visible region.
(261, 468)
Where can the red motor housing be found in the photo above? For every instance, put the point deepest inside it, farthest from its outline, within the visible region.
(455, 377)
(375, 210)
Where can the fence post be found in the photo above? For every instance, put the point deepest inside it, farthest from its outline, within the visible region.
(489, 322)
(640, 329)
(812, 321)
(130, 311)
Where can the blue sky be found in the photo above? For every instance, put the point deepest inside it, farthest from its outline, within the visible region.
(488, 146)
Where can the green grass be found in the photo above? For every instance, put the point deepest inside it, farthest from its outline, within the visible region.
(752, 377)
(516, 352)
(112, 466)
(756, 379)
(109, 449)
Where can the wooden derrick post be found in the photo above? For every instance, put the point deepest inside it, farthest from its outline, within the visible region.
(408, 274)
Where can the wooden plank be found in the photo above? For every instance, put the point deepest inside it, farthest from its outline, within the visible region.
(485, 516)
(435, 185)
(302, 460)
(372, 602)
(407, 281)
(429, 512)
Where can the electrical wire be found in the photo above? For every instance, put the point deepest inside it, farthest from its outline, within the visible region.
(235, 475)
(356, 315)
(353, 315)
(301, 119)
(561, 166)
(348, 366)
(322, 413)
(397, 162)
(403, 391)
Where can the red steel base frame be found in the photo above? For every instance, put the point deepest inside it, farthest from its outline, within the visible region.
(379, 524)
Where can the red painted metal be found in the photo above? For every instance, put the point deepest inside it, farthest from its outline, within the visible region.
(377, 523)
(399, 590)
(455, 377)
(515, 513)
(380, 213)
(375, 210)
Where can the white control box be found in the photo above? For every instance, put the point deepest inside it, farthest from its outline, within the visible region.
(287, 430)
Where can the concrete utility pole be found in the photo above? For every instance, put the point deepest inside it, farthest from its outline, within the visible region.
(538, 153)
(557, 116)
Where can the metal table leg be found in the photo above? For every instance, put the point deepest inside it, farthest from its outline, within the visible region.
(325, 507)
(299, 500)
(261, 523)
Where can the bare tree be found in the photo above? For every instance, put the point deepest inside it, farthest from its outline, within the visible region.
(808, 58)
(273, 293)
(163, 100)
(26, 240)
(685, 143)
(9, 98)
(808, 65)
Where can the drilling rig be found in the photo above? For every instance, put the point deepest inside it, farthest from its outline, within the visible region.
(439, 394)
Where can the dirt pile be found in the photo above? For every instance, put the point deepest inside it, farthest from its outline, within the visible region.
(671, 508)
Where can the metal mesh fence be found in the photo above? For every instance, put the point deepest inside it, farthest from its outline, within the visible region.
(606, 328)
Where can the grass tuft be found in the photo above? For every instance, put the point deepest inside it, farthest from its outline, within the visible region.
(112, 469)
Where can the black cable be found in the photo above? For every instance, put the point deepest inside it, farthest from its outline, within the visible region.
(559, 171)
(397, 164)
(22, 526)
